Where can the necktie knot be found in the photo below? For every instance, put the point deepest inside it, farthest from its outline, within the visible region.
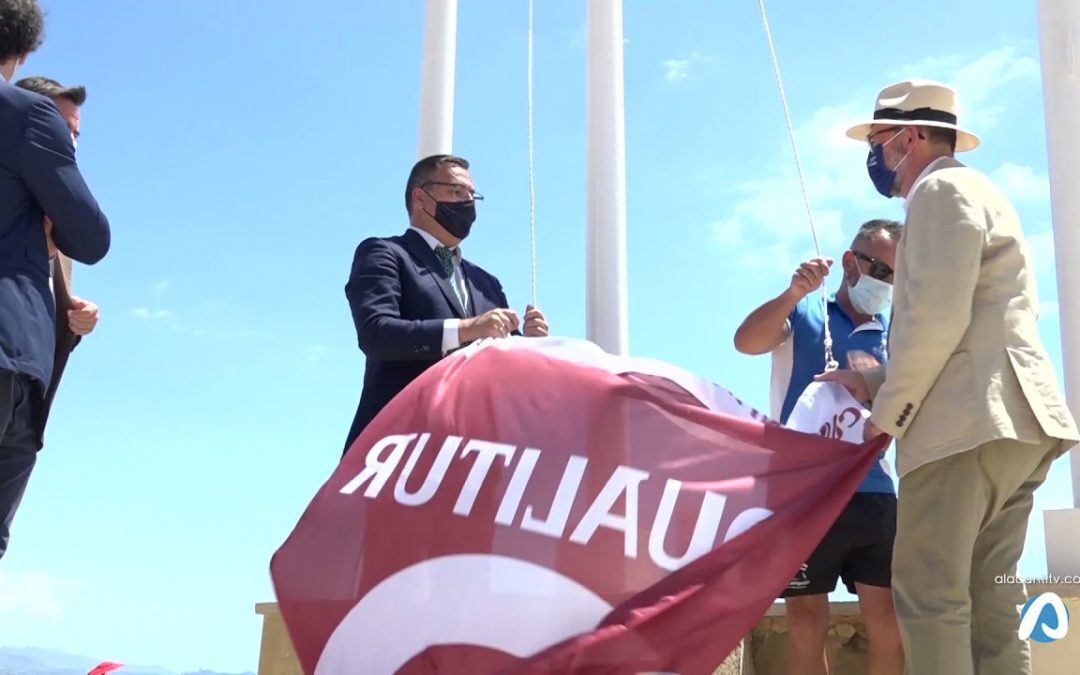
(446, 257)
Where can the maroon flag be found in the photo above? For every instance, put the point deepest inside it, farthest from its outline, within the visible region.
(538, 505)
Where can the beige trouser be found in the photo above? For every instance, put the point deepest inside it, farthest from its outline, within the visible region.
(961, 522)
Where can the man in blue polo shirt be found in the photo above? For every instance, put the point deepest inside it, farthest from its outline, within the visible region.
(858, 547)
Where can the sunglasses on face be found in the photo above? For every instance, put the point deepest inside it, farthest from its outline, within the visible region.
(878, 270)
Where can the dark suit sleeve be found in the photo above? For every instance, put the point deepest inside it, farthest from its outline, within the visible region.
(47, 163)
(374, 294)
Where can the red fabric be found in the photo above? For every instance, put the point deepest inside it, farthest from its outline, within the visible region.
(434, 591)
(105, 667)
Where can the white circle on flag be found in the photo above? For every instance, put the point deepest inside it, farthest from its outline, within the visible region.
(516, 607)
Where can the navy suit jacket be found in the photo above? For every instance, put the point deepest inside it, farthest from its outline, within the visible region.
(399, 299)
(38, 176)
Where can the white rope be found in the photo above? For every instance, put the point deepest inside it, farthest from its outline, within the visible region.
(830, 362)
(532, 187)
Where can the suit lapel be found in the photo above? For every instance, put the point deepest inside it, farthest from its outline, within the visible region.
(426, 257)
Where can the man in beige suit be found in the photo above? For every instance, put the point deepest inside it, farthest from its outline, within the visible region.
(969, 393)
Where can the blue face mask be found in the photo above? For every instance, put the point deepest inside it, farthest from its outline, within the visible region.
(881, 175)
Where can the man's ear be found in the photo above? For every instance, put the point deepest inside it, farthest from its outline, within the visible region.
(913, 135)
(417, 197)
(849, 264)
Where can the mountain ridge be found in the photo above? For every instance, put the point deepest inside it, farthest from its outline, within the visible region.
(40, 661)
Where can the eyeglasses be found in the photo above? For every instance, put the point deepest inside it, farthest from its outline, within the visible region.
(461, 192)
(870, 137)
(878, 270)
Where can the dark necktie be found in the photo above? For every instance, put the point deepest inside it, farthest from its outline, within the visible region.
(446, 257)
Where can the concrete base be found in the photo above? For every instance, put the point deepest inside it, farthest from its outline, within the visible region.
(764, 651)
(1062, 542)
(276, 655)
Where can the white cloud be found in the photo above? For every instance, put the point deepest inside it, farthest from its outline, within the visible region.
(679, 69)
(766, 221)
(34, 594)
(1041, 247)
(1021, 183)
(772, 208)
(161, 286)
(978, 82)
(152, 314)
(676, 69)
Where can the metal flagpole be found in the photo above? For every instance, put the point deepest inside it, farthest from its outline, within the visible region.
(437, 78)
(606, 308)
(1059, 31)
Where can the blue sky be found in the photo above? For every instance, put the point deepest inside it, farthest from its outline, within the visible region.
(242, 149)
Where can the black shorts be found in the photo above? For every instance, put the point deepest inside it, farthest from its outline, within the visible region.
(857, 548)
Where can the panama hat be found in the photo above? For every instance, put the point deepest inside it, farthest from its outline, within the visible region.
(917, 103)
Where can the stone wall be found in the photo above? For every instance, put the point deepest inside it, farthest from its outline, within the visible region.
(766, 646)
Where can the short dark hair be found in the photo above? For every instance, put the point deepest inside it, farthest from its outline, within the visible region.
(22, 28)
(879, 226)
(424, 170)
(940, 136)
(53, 89)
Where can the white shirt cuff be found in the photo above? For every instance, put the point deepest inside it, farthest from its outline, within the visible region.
(450, 339)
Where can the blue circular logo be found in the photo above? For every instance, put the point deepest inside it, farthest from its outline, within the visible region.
(1053, 616)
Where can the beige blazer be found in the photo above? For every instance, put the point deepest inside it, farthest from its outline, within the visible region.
(966, 364)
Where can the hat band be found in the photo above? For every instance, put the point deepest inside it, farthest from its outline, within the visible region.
(917, 115)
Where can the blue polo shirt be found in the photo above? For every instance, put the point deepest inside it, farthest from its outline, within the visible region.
(802, 356)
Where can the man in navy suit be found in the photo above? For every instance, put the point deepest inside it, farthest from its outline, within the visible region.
(38, 176)
(414, 298)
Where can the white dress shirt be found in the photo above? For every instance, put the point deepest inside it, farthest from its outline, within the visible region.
(450, 338)
(922, 176)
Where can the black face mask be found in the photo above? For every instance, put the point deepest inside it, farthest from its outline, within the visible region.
(455, 217)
